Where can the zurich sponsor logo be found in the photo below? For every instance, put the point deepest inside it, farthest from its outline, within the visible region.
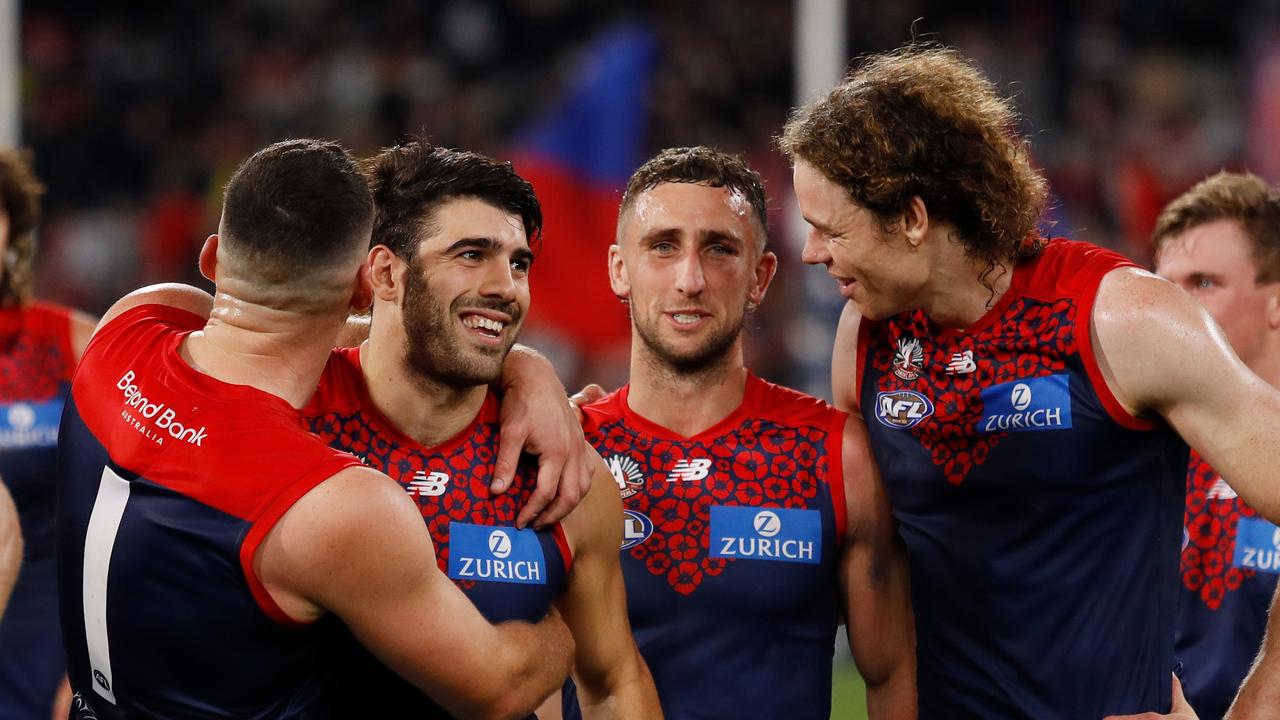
(1042, 403)
(636, 528)
(495, 554)
(902, 409)
(779, 534)
(1257, 545)
(29, 424)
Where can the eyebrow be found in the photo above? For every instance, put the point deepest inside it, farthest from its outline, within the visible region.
(703, 235)
(489, 244)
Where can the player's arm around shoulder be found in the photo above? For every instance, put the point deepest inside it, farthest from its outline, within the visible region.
(10, 546)
(175, 295)
(875, 585)
(356, 546)
(844, 360)
(1160, 352)
(613, 680)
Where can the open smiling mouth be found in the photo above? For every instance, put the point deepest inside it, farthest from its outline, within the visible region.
(484, 326)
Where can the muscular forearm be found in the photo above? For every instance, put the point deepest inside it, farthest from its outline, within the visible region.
(893, 697)
(626, 693)
(10, 547)
(1259, 697)
(531, 663)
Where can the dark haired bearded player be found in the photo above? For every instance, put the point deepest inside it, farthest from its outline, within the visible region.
(1024, 397)
(449, 269)
(754, 517)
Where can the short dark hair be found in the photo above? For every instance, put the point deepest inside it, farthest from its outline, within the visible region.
(410, 181)
(20, 193)
(1245, 198)
(699, 165)
(924, 121)
(294, 206)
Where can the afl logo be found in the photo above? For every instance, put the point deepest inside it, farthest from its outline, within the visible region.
(499, 544)
(767, 523)
(902, 409)
(636, 528)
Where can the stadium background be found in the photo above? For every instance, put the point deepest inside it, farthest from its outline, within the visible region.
(138, 111)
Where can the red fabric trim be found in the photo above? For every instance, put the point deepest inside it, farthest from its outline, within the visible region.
(835, 475)
(267, 519)
(562, 542)
(1084, 345)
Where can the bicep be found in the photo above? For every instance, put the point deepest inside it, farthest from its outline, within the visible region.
(844, 360)
(1163, 353)
(357, 547)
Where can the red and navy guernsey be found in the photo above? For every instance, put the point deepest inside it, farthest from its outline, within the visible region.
(1042, 520)
(730, 550)
(36, 364)
(168, 482)
(1230, 564)
(508, 574)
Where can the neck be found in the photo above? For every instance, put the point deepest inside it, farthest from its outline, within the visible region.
(420, 407)
(686, 403)
(279, 351)
(959, 293)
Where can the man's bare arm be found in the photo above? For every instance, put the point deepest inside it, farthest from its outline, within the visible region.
(1160, 352)
(613, 680)
(356, 546)
(874, 583)
(1259, 697)
(844, 360)
(10, 546)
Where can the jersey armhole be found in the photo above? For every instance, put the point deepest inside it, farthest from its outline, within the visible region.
(263, 524)
(835, 475)
(1084, 342)
(562, 542)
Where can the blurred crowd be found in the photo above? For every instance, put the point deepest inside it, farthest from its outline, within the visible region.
(137, 112)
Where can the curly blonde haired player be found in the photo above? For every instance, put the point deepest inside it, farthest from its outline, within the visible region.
(1025, 398)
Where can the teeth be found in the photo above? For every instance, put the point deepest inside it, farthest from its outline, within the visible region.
(476, 321)
(685, 318)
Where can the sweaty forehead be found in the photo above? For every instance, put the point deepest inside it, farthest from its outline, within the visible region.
(691, 208)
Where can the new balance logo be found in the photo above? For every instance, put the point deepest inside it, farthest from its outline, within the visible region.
(426, 484)
(689, 470)
(962, 363)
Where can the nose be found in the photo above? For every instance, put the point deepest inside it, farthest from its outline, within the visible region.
(816, 250)
(689, 278)
(499, 280)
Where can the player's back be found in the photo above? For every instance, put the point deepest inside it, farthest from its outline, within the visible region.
(729, 552)
(36, 364)
(169, 481)
(508, 574)
(1041, 520)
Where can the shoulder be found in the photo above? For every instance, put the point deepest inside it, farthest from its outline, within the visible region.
(1070, 268)
(792, 407)
(167, 300)
(338, 383)
(607, 409)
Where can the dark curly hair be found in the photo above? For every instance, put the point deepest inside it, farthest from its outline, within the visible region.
(20, 193)
(699, 165)
(924, 121)
(1245, 198)
(410, 181)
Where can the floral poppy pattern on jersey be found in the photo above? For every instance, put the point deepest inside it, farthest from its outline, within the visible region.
(1211, 520)
(759, 464)
(1030, 339)
(33, 366)
(465, 468)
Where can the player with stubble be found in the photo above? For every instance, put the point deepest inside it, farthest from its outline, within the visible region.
(205, 537)
(454, 238)
(1025, 399)
(755, 518)
(1220, 241)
